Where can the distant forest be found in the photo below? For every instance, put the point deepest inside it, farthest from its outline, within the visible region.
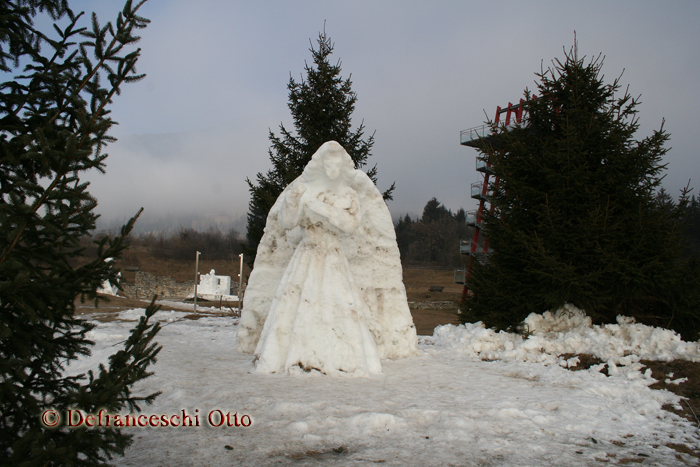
(181, 245)
(433, 239)
(184, 244)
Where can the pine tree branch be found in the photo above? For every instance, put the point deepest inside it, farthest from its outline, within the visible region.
(111, 50)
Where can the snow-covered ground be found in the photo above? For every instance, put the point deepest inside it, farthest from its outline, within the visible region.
(471, 397)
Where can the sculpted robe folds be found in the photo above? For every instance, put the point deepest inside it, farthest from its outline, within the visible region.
(326, 292)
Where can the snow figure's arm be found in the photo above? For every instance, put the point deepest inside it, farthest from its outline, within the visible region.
(342, 211)
(291, 207)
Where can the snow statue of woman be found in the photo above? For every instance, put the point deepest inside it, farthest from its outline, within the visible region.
(326, 292)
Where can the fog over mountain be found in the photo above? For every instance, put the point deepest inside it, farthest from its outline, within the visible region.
(197, 126)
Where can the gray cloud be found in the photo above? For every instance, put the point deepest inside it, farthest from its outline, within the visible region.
(196, 127)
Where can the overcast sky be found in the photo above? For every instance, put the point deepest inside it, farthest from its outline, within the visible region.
(197, 126)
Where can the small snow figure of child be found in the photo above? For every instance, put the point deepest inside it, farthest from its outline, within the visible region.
(317, 319)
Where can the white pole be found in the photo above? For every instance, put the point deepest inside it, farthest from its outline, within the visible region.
(240, 285)
(196, 279)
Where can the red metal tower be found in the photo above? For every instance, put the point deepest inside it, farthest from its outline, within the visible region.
(478, 137)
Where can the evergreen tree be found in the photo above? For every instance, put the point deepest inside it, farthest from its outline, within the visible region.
(434, 238)
(321, 106)
(404, 235)
(434, 210)
(435, 242)
(691, 224)
(435, 235)
(53, 126)
(575, 216)
(665, 201)
(464, 232)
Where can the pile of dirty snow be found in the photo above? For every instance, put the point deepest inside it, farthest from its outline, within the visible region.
(567, 331)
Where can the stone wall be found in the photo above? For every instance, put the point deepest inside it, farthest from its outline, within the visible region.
(147, 285)
(435, 305)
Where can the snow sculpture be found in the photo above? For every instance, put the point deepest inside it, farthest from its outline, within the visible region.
(327, 291)
(211, 284)
(107, 288)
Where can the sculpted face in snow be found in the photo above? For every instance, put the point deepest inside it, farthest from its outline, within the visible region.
(326, 292)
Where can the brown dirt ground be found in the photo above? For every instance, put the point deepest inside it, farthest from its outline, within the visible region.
(417, 282)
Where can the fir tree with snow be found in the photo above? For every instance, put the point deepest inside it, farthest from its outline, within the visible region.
(321, 107)
(54, 120)
(575, 219)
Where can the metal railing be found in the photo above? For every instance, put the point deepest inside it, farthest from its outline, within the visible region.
(483, 166)
(465, 247)
(460, 276)
(478, 132)
(472, 218)
(486, 130)
(477, 191)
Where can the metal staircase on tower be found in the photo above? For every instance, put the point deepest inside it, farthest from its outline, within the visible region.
(477, 248)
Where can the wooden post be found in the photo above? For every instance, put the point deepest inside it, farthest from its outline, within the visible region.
(240, 286)
(196, 279)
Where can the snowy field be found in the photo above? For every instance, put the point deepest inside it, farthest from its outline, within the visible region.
(471, 397)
